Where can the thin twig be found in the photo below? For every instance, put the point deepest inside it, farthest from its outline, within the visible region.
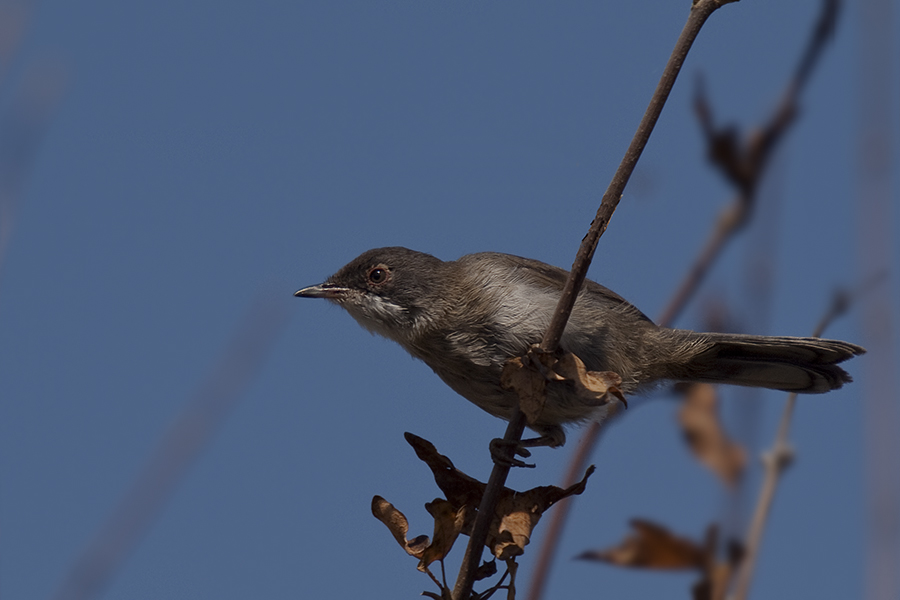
(472, 557)
(753, 160)
(775, 462)
(700, 11)
(730, 222)
(874, 200)
(22, 127)
(745, 166)
(493, 589)
(433, 578)
(561, 511)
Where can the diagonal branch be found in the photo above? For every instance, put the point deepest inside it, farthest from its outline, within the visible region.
(700, 11)
(745, 166)
(780, 456)
(752, 162)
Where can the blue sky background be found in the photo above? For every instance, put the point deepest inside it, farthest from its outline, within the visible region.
(204, 154)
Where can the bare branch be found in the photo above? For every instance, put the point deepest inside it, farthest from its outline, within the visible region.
(731, 221)
(745, 166)
(779, 457)
(700, 11)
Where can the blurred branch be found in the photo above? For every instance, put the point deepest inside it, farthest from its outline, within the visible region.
(875, 202)
(13, 23)
(177, 449)
(780, 456)
(23, 125)
(700, 11)
(744, 167)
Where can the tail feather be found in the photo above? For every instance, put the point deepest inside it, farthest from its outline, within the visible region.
(804, 365)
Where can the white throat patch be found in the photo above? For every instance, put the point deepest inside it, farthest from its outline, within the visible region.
(374, 313)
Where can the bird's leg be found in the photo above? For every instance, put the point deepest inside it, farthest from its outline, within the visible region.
(504, 452)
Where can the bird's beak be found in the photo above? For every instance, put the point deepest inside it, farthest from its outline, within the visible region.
(329, 291)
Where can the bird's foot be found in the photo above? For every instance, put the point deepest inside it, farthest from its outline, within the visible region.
(504, 452)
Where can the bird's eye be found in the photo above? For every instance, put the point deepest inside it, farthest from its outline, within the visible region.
(378, 275)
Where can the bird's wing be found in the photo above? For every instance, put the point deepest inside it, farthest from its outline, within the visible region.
(550, 276)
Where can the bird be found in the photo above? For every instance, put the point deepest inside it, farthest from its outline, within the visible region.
(466, 318)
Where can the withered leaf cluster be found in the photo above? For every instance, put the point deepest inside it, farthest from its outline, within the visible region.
(531, 375)
(516, 515)
(652, 546)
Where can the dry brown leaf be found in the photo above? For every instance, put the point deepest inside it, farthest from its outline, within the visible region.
(517, 514)
(485, 570)
(513, 533)
(397, 524)
(594, 386)
(703, 431)
(459, 489)
(448, 523)
(528, 384)
(530, 375)
(652, 546)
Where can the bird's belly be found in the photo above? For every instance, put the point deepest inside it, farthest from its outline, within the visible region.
(482, 388)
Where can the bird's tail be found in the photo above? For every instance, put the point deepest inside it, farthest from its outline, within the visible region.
(791, 364)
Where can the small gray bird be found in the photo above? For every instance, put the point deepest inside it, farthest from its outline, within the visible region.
(466, 318)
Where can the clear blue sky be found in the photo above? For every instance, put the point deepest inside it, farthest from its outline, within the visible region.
(202, 154)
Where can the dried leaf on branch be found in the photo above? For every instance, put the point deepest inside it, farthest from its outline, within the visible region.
(448, 523)
(652, 546)
(516, 515)
(704, 433)
(530, 375)
(397, 524)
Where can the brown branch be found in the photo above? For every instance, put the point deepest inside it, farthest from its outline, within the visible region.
(730, 222)
(745, 166)
(738, 166)
(471, 559)
(780, 456)
(875, 204)
(775, 462)
(700, 11)
(177, 449)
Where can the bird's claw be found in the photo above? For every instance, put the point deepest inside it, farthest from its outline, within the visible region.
(504, 452)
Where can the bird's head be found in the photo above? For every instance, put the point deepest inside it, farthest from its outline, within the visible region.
(390, 291)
